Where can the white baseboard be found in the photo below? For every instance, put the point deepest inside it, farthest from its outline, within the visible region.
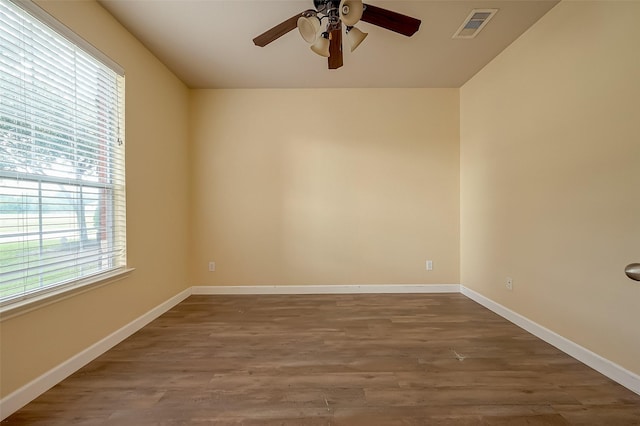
(27, 393)
(328, 289)
(602, 365)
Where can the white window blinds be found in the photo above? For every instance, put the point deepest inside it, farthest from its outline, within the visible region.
(62, 182)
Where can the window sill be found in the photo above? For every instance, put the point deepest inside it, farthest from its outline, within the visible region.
(23, 306)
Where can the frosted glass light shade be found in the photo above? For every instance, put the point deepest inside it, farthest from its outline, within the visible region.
(321, 46)
(351, 12)
(309, 28)
(355, 37)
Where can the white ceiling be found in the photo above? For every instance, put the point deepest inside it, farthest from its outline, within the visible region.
(208, 43)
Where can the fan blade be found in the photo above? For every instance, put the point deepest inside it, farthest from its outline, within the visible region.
(393, 21)
(276, 32)
(335, 48)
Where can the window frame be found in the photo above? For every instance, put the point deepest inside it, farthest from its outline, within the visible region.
(28, 300)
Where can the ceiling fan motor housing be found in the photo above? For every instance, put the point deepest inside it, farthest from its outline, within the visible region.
(339, 10)
(321, 5)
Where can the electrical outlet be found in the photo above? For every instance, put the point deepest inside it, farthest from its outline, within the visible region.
(429, 265)
(212, 266)
(509, 283)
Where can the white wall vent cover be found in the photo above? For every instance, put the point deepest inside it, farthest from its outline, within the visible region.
(475, 22)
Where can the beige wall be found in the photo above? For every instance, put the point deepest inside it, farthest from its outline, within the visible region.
(549, 176)
(296, 187)
(156, 156)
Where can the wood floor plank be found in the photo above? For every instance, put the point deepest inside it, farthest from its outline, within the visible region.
(352, 360)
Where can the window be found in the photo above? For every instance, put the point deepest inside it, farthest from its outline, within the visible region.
(62, 188)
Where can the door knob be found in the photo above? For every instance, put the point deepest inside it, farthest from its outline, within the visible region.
(633, 271)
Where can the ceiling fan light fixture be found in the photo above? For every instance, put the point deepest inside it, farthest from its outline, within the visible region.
(338, 14)
(355, 37)
(350, 11)
(309, 26)
(321, 46)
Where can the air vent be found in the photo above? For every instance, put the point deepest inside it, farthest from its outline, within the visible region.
(475, 22)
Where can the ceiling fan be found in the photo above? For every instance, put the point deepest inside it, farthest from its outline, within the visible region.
(328, 42)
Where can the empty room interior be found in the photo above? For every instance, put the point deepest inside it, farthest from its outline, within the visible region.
(434, 232)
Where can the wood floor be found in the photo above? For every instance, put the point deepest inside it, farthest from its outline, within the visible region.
(435, 359)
